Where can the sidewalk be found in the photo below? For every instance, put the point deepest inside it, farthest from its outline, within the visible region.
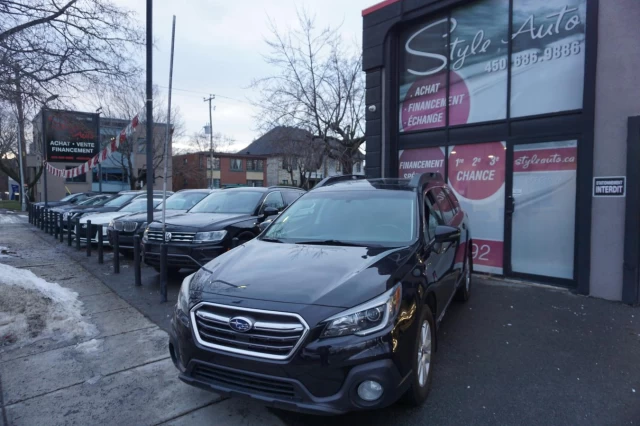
(121, 374)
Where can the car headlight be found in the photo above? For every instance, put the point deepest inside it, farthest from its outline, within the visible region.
(145, 235)
(183, 296)
(367, 318)
(112, 224)
(65, 215)
(209, 237)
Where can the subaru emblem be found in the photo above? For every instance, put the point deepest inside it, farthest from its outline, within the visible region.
(167, 236)
(240, 324)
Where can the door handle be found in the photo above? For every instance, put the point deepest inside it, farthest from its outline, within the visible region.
(510, 206)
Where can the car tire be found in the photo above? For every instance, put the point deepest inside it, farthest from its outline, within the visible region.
(422, 371)
(464, 291)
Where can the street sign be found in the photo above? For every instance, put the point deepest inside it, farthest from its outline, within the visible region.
(613, 186)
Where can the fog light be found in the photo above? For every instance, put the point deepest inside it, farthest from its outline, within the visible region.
(370, 390)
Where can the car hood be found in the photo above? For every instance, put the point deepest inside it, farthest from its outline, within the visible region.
(157, 215)
(102, 218)
(199, 221)
(303, 274)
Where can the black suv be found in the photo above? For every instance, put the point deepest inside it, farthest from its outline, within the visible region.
(335, 306)
(128, 226)
(208, 229)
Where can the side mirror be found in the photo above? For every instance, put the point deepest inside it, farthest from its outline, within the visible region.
(270, 211)
(263, 225)
(446, 233)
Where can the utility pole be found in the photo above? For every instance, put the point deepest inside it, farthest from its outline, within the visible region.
(209, 99)
(23, 201)
(149, 112)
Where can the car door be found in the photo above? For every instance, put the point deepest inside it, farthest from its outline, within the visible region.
(436, 265)
(447, 250)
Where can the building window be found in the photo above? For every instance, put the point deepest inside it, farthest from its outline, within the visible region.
(236, 164)
(216, 183)
(338, 167)
(201, 162)
(255, 165)
(185, 160)
(142, 146)
(216, 163)
(185, 183)
(358, 167)
(295, 182)
(285, 181)
(255, 182)
(78, 179)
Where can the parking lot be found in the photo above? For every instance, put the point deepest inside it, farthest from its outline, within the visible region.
(515, 354)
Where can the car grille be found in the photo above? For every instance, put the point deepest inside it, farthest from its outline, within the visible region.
(176, 237)
(245, 382)
(119, 225)
(274, 335)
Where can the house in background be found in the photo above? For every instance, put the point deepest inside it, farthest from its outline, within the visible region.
(286, 147)
(195, 170)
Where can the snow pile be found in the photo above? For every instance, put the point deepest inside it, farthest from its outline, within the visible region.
(32, 309)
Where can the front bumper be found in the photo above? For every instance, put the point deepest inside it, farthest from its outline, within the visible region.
(322, 377)
(189, 256)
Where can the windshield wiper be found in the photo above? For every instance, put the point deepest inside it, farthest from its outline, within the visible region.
(335, 243)
(272, 240)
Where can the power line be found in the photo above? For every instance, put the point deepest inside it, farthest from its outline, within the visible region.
(201, 94)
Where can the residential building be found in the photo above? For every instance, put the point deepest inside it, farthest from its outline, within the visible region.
(285, 147)
(196, 170)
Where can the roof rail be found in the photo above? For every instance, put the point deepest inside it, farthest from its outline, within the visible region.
(419, 179)
(337, 178)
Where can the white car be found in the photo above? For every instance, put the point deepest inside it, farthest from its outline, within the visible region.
(136, 206)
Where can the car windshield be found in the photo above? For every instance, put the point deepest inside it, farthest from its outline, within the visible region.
(139, 206)
(369, 218)
(229, 202)
(69, 197)
(93, 201)
(184, 200)
(120, 200)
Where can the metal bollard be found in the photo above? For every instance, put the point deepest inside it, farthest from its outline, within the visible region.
(42, 218)
(29, 210)
(78, 231)
(61, 224)
(45, 215)
(50, 222)
(163, 272)
(116, 252)
(89, 238)
(100, 245)
(137, 260)
(55, 225)
(69, 237)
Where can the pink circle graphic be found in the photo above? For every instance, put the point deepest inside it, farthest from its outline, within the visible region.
(425, 105)
(421, 160)
(477, 171)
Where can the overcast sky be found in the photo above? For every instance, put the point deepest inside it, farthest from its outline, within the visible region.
(218, 50)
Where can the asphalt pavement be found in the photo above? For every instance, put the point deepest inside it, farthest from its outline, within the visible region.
(515, 354)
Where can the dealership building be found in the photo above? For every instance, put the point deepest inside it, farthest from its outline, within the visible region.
(531, 111)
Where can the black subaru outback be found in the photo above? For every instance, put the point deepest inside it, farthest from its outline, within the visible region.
(335, 306)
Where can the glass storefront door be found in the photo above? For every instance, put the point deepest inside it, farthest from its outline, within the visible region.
(543, 210)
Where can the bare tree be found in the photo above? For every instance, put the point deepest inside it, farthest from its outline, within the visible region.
(124, 102)
(319, 87)
(63, 47)
(9, 152)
